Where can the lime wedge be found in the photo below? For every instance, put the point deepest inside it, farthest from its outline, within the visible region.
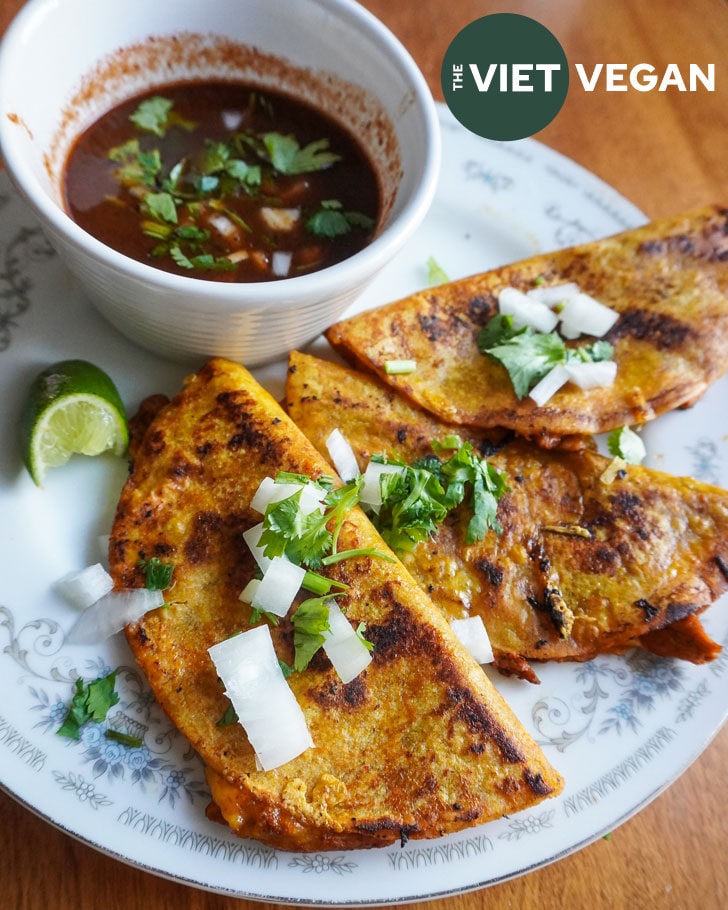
(72, 407)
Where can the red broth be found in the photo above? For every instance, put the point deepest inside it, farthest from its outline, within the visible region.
(223, 182)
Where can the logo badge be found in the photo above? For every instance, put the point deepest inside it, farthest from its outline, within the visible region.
(505, 76)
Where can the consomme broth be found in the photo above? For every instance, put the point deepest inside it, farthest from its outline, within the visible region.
(224, 182)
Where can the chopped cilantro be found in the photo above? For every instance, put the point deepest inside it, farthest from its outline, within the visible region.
(360, 630)
(528, 356)
(310, 621)
(204, 261)
(320, 584)
(306, 538)
(246, 163)
(155, 115)
(161, 206)
(332, 221)
(287, 156)
(413, 504)
(151, 115)
(418, 498)
(136, 167)
(157, 574)
(361, 551)
(91, 701)
(487, 486)
(247, 174)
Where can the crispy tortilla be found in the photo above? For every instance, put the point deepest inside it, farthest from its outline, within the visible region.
(631, 561)
(420, 744)
(668, 280)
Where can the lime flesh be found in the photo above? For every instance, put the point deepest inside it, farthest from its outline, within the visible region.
(72, 407)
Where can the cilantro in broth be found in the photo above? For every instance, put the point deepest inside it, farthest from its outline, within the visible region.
(332, 221)
(199, 166)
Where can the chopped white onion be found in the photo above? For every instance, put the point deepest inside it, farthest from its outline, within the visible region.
(346, 651)
(264, 702)
(270, 492)
(472, 633)
(249, 591)
(280, 219)
(371, 493)
(238, 255)
(252, 537)
(84, 587)
(554, 294)
(281, 582)
(583, 315)
(548, 386)
(281, 263)
(225, 226)
(525, 311)
(111, 613)
(232, 120)
(342, 455)
(593, 375)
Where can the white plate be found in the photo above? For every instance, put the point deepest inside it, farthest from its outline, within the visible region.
(619, 729)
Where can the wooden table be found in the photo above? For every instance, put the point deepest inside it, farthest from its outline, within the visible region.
(666, 152)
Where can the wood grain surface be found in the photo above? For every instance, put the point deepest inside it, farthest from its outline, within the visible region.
(665, 152)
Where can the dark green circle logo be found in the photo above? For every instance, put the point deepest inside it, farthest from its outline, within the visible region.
(505, 76)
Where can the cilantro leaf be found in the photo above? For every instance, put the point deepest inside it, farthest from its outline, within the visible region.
(420, 496)
(208, 262)
(205, 261)
(328, 221)
(360, 630)
(413, 504)
(487, 484)
(287, 530)
(310, 621)
(214, 157)
(179, 257)
(306, 538)
(161, 206)
(137, 167)
(331, 221)
(91, 701)
(287, 156)
(152, 115)
(155, 115)
(528, 355)
(247, 174)
(157, 574)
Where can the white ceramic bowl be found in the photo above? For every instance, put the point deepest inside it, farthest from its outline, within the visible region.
(62, 64)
